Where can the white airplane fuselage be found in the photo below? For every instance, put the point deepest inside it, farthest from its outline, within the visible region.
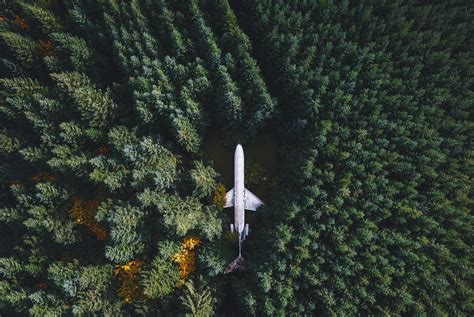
(239, 190)
(240, 197)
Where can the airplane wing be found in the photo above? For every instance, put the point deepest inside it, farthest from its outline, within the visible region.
(252, 202)
(229, 198)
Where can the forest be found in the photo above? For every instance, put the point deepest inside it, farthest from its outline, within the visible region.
(111, 197)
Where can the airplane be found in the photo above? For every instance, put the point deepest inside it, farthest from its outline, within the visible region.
(241, 199)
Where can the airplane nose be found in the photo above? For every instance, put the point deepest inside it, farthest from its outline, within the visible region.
(239, 148)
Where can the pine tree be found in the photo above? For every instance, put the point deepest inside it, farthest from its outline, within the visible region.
(160, 279)
(94, 106)
(198, 301)
(23, 49)
(204, 178)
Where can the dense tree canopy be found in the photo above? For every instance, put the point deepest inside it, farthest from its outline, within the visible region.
(109, 207)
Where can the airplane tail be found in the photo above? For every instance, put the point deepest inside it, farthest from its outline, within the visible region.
(237, 264)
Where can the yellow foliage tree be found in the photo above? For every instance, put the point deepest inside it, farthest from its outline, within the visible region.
(20, 22)
(83, 212)
(186, 257)
(219, 196)
(128, 275)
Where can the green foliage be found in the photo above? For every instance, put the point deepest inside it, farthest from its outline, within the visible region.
(107, 103)
(40, 19)
(74, 50)
(254, 174)
(210, 223)
(152, 163)
(160, 278)
(179, 215)
(22, 48)
(9, 69)
(186, 134)
(367, 194)
(42, 204)
(9, 144)
(213, 258)
(94, 106)
(127, 241)
(204, 178)
(88, 285)
(198, 301)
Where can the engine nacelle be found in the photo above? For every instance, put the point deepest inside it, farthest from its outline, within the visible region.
(232, 227)
(246, 229)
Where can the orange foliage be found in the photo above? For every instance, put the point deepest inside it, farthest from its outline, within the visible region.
(99, 232)
(43, 176)
(42, 285)
(102, 149)
(46, 47)
(83, 212)
(128, 275)
(219, 196)
(2, 18)
(186, 257)
(21, 22)
(190, 243)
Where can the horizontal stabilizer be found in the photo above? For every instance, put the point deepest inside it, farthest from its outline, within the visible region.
(229, 198)
(252, 202)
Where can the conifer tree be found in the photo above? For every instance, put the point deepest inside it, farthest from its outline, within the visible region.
(198, 301)
(204, 178)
